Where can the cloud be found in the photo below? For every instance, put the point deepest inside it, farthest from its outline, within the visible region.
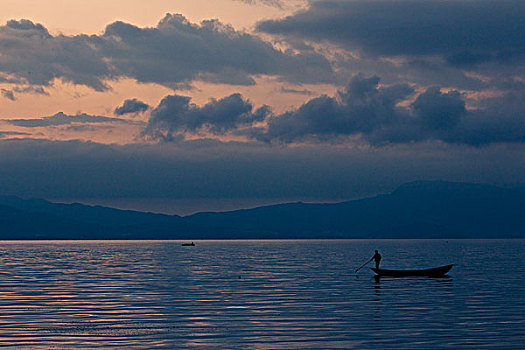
(131, 106)
(364, 112)
(275, 3)
(498, 119)
(438, 110)
(4, 134)
(373, 114)
(492, 30)
(177, 115)
(297, 91)
(174, 53)
(193, 170)
(362, 108)
(33, 56)
(63, 119)
(178, 51)
(423, 43)
(8, 94)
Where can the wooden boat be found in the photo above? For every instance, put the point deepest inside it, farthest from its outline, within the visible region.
(432, 272)
(188, 244)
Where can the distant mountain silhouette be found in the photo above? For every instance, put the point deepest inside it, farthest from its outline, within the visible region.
(414, 210)
(423, 209)
(41, 219)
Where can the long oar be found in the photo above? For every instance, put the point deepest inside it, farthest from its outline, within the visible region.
(366, 263)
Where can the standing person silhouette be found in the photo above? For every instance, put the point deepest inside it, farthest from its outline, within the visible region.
(377, 258)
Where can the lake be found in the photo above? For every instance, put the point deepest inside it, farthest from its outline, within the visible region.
(260, 295)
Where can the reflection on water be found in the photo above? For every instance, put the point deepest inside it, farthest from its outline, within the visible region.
(291, 294)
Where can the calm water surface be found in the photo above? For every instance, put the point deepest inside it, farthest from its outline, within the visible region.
(290, 295)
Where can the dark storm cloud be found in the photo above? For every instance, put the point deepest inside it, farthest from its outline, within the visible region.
(32, 56)
(462, 32)
(439, 111)
(131, 106)
(63, 119)
(178, 51)
(176, 115)
(174, 53)
(37, 168)
(371, 112)
(499, 119)
(362, 108)
(363, 112)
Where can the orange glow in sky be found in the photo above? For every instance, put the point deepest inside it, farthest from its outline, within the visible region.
(72, 17)
(91, 17)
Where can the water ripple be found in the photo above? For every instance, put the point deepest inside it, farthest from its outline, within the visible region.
(259, 295)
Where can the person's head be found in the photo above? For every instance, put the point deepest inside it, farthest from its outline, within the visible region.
(376, 251)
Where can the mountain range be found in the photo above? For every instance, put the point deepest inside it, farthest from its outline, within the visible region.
(422, 209)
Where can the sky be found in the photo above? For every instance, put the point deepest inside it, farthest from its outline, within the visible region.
(182, 106)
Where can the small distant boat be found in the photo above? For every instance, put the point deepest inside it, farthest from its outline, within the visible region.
(188, 244)
(432, 272)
